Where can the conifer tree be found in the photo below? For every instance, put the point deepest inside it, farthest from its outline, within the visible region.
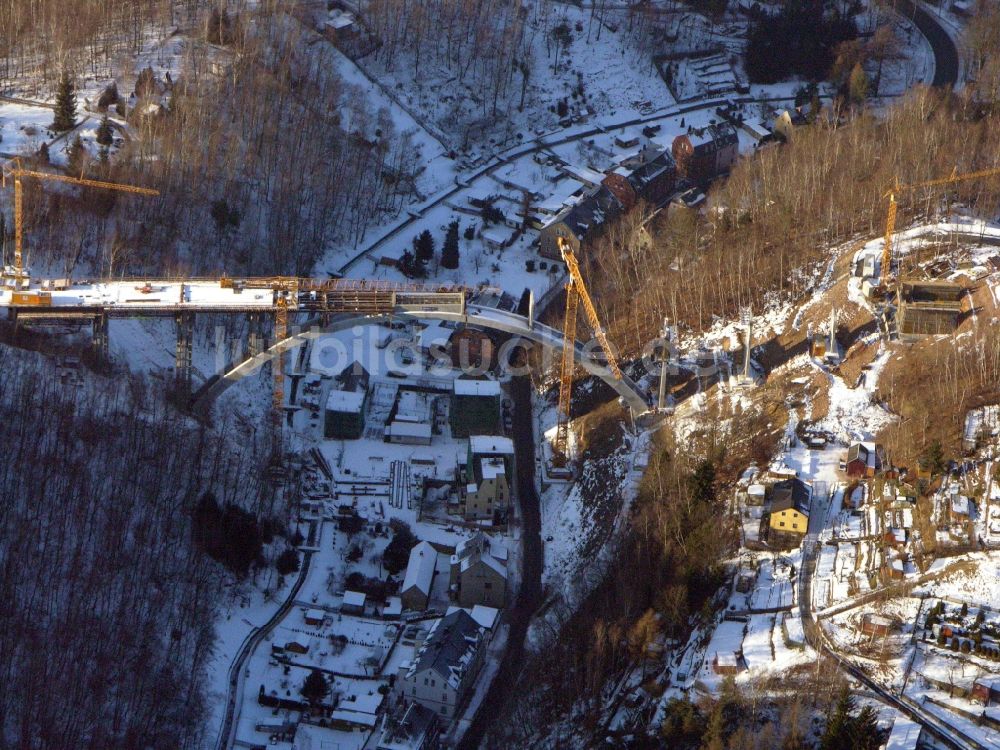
(105, 137)
(315, 688)
(65, 118)
(423, 246)
(77, 156)
(449, 253)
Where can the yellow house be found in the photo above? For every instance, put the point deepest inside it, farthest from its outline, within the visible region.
(790, 507)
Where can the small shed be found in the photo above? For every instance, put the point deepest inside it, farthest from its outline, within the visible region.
(408, 433)
(725, 663)
(873, 624)
(353, 603)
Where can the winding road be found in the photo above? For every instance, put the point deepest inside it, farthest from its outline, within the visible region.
(946, 70)
(946, 61)
(236, 675)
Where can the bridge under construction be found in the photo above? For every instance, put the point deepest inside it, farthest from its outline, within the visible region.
(282, 302)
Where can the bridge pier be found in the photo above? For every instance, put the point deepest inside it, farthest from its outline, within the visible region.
(255, 336)
(185, 348)
(100, 341)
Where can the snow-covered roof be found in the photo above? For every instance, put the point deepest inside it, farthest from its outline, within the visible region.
(488, 560)
(485, 616)
(434, 333)
(485, 388)
(450, 647)
(756, 490)
(354, 599)
(491, 445)
(497, 235)
(408, 429)
(315, 614)
(394, 608)
(960, 505)
(339, 19)
(904, 735)
(725, 659)
(492, 468)
(354, 717)
(584, 174)
(349, 402)
(420, 568)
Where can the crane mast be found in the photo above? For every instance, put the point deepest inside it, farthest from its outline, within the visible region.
(17, 274)
(576, 291)
(890, 219)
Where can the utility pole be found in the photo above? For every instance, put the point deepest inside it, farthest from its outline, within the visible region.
(665, 335)
(747, 321)
(832, 345)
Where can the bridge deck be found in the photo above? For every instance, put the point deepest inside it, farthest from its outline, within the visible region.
(146, 297)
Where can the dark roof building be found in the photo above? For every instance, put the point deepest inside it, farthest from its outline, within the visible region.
(705, 153)
(790, 494)
(579, 222)
(865, 460)
(654, 180)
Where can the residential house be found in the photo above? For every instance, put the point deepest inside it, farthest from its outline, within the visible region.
(648, 175)
(620, 185)
(960, 508)
(297, 646)
(865, 460)
(314, 617)
(980, 424)
(479, 572)
(655, 179)
(345, 414)
(444, 670)
(986, 690)
(416, 588)
(790, 501)
(690, 201)
(485, 479)
(579, 223)
(704, 153)
(409, 727)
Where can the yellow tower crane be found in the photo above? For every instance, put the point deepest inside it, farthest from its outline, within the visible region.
(576, 290)
(17, 275)
(890, 220)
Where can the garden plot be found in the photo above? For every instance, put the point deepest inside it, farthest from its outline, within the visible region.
(774, 587)
(344, 644)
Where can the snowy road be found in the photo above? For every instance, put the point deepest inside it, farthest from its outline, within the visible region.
(236, 674)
